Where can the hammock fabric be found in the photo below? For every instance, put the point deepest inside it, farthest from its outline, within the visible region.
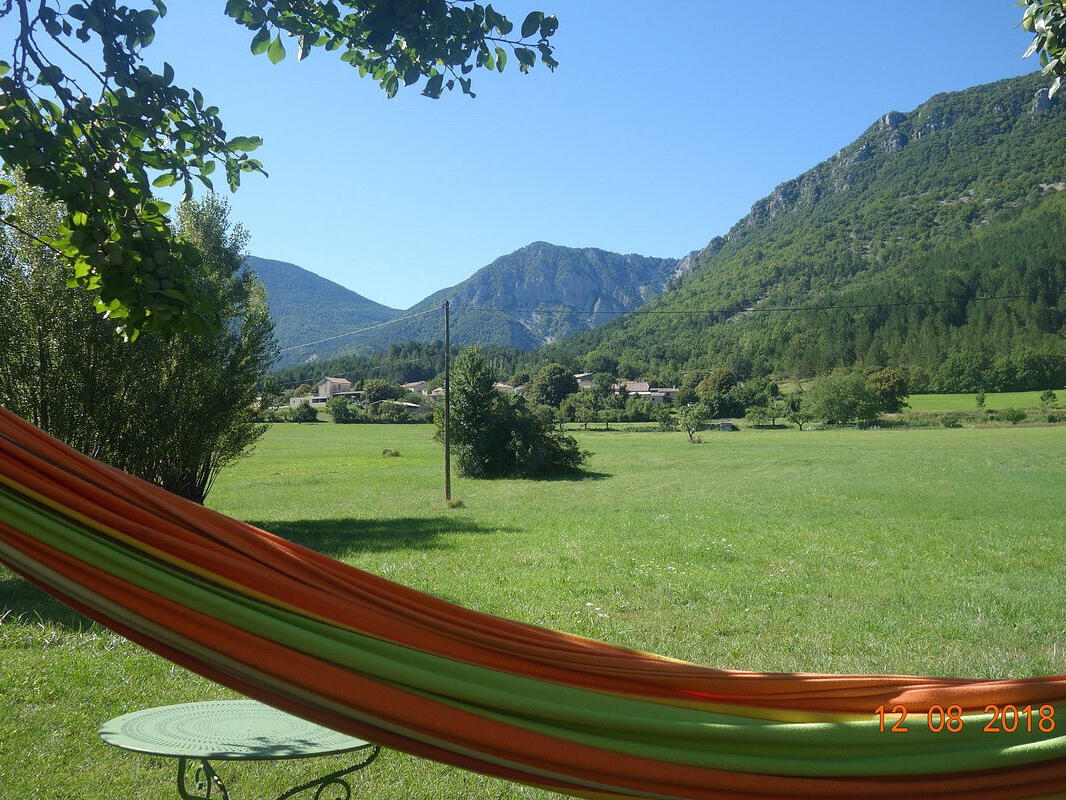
(359, 654)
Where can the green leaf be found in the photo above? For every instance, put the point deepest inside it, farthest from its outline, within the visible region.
(531, 23)
(261, 41)
(276, 51)
(304, 48)
(50, 74)
(501, 59)
(166, 179)
(526, 57)
(4, 68)
(245, 144)
(433, 86)
(234, 8)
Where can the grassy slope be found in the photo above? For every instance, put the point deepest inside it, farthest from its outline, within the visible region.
(968, 402)
(932, 551)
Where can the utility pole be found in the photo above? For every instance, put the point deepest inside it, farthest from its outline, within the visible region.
(447, 402)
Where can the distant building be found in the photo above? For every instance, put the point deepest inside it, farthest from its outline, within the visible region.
(584, 380)
(312, 399)
(632, 387)
(327, 387)
(657, 394)
(506, 387)
(418, 387)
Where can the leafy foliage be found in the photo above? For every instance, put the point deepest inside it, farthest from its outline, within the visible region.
(840, 398)
(552, 383)
(692, 419)
(102, 158)
(302, 412)
(1046, 19)
(341, 410)
(171, 408)
(493, 435)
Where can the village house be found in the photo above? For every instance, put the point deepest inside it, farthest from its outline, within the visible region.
(584, 380)
(657, 394)
(327, 387)
(418, 387)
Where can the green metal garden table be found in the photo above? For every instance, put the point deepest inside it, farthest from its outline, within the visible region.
(234, 730)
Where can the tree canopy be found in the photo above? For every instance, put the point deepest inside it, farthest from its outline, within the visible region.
(95, 128)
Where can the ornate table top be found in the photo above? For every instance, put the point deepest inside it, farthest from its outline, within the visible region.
(228, 730)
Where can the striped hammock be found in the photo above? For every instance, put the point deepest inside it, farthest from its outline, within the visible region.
(377, 660)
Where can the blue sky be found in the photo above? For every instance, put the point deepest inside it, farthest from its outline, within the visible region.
(663, 124)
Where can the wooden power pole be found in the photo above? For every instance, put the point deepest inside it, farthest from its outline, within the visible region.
(447, 402)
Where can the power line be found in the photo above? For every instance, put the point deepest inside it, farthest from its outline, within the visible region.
(361, 330)
(752, 310)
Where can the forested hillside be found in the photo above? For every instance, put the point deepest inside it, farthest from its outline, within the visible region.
(926, 213)
(306, 307)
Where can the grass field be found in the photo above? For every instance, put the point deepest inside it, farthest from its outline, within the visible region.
(968, 402)
(918, 551)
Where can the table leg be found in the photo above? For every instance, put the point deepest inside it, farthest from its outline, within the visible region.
(335, 782)
(205, 778)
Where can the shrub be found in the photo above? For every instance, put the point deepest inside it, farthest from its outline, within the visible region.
(1048, 398)
(841, 398)
(341, 410)
(303, 413)
(953, 419)
(1011, 415)
(665, 417)
(493, 435)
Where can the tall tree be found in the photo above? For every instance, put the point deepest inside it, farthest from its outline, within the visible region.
(552, 383)
(96, 129)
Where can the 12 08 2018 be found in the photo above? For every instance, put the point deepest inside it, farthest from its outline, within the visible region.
(950, 719)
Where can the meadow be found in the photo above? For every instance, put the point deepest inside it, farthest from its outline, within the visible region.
(910, 551)
(968, 402)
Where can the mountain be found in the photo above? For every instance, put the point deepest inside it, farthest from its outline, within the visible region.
(539, 279)
(306, 307)
(955, 201)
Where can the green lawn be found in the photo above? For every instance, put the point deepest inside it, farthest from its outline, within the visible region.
(968, 402)
(922, 551)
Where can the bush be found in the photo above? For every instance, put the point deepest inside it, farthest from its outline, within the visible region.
(1048, 398)
(841, 398)
(303, 413)
(341, 410)
(665, 417)
(1011, 415)
(493, 435)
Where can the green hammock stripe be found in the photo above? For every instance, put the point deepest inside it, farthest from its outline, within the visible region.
(623, 725)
